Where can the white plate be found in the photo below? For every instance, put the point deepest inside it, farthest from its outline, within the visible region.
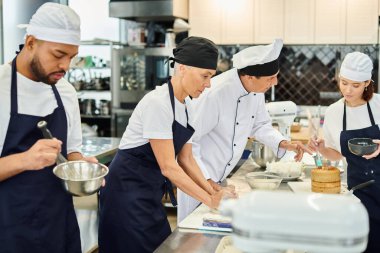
(287, 179)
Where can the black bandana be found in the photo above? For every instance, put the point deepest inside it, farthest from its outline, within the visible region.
(266, 69)
(197, 52)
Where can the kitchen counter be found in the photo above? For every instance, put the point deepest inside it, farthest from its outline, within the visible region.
(103, 148)
(196, 240)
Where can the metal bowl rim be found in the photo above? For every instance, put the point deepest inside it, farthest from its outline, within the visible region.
(358, 145)
(80, 180)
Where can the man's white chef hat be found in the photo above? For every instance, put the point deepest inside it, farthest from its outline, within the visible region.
(357, 67)
(259, 60)
(55, 23)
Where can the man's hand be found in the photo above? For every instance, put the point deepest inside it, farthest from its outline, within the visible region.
(374, 154)
(297, 147)
(42, 154)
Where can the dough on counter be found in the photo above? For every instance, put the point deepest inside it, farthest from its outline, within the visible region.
(326, 180)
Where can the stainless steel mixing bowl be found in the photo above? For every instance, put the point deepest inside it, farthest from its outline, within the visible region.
(81, 178)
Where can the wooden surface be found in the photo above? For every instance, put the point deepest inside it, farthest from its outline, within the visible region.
(303, 135)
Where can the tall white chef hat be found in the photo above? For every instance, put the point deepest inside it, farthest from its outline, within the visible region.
(55, 23)
(357, 67)
(259, 60)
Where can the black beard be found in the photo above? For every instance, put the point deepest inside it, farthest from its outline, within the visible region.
(40, 74)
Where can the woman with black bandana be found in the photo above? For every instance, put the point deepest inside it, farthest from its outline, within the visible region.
(155, 150)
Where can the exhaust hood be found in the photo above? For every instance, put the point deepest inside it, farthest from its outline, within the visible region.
(149, 10)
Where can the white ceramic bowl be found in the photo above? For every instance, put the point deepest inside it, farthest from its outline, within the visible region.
(263, 180)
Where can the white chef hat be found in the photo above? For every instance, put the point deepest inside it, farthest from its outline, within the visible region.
(357, 67)
(259, 60)
(55, 23)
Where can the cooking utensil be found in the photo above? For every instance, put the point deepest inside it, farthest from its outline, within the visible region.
(79, 178)
(362, 146)
(42, 125)
(88, 177)
(262, 154)
(360, 186)
(314, 123)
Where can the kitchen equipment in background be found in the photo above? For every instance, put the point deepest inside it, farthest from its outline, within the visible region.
(282, 114)
(180, 26)
(136, 71)
(362, 146)
(308, 222)
(262, 154)
(146, 10)
(169, 38)
(120, 119)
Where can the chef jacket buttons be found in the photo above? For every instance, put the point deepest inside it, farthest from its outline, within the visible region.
(228, 164)
(239, 101)
(234, 144)
(237, 123)
(254, 94)
(253, 116)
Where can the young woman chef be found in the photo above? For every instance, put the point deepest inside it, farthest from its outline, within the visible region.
(132, 217)
(356, 115)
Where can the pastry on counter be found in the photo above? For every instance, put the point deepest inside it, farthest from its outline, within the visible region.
(325, 180)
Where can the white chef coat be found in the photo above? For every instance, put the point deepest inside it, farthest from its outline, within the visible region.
(224, 117)
(357, 118)
(153, 118)
(37, 99)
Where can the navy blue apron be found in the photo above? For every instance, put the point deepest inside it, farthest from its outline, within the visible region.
(132, 217)
(360, 170)
(36, 214)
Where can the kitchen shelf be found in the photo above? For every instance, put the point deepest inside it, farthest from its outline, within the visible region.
(95, 116)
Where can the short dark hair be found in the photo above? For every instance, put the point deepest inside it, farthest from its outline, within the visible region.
(368, 91)
(242, 73)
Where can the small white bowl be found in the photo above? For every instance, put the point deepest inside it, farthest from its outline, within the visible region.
(263, 180)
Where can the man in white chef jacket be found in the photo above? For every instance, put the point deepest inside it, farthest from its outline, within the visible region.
(232, 110)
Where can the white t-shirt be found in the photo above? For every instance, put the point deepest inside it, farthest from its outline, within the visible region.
(357, 118)
(153, 118)
(37, 99)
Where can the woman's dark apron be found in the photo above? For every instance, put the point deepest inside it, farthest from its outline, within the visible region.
(360, 170)
(132, 217)
(36, 214)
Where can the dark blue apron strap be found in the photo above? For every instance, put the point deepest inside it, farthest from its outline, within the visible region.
(169, 189)
(57, 96)
(370, 114)
(14, 88)
(344, 117)
(171, 94)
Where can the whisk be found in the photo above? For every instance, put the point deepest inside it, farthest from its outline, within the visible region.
(70, 173)
(314, 124)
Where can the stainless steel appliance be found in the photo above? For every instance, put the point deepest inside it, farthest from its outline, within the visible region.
(136, 71)
(158, 10)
